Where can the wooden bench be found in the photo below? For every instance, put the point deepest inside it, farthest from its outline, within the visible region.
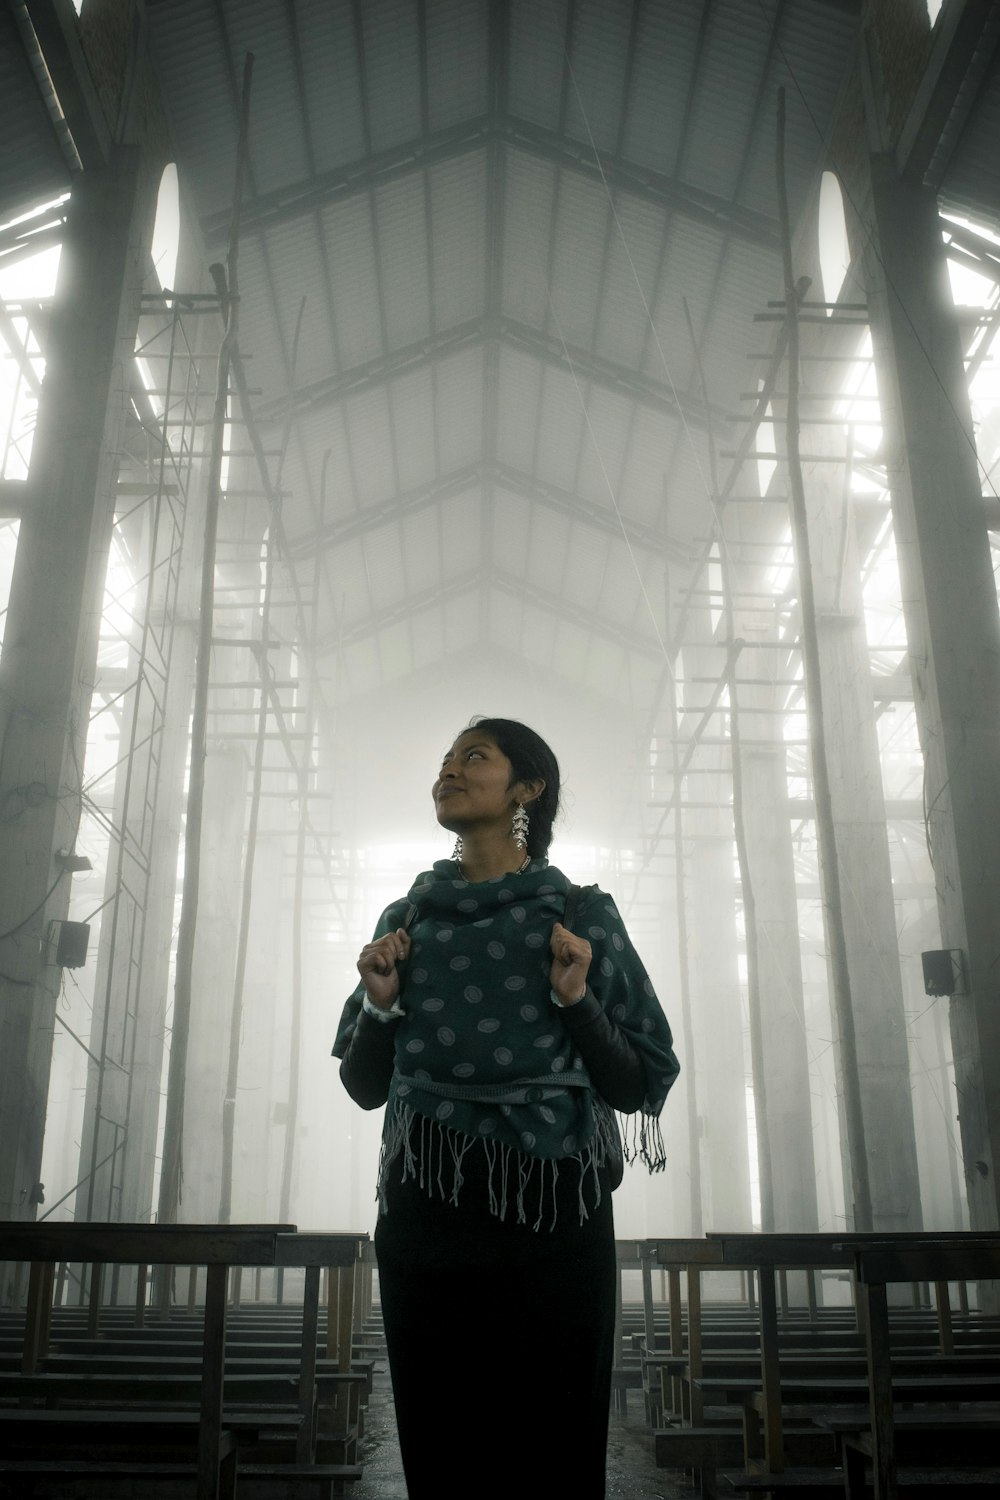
(769, 1253)
(218, 1249)
(876, 1268)
(952, 1440)
(111, 1443)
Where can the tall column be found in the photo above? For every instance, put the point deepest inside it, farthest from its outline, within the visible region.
(212, 980)
(718, 1017)
(50, 643)
(953, 632)
(262, 1091)
(864, 871)
(781, 1070)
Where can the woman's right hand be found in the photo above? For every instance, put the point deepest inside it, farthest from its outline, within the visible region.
(377, 967)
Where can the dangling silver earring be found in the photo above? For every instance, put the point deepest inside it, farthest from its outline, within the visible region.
(519, 827)
(456, 853)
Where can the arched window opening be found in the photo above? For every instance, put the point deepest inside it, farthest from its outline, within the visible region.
(834, 249)
(167, 229)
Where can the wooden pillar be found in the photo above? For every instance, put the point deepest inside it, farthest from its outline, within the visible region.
(781, 1061)
(953, 631)
(779, 1051)
(262, 1091)
(718, 1017)
(863, 865)
(52, 625)
(214, 962)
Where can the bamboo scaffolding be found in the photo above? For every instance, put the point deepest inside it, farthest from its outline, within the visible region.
(826, 833)
(172, 1168)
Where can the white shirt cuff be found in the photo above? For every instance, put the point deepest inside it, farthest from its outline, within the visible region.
(377, 1013)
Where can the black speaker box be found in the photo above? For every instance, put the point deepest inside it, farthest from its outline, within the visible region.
(941, 972)
(71, 944)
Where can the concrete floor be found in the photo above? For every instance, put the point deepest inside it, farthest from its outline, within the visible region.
(632, 1471)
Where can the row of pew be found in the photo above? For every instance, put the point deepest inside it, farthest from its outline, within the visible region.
(188, 1359)
(893, 1390)
(191, 1359)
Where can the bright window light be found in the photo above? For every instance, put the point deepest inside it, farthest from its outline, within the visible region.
(167, 229)
(834, 250)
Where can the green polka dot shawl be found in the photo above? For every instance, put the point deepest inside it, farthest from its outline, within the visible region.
(482, 1058)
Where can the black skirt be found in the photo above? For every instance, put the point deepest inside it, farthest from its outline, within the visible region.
(500, 1338)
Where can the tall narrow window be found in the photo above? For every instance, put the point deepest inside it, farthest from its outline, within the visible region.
(166, 228)
(834, 250)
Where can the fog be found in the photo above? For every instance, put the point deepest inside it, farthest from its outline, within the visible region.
(486, 467)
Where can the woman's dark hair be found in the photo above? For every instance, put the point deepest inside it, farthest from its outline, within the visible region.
(530, 759)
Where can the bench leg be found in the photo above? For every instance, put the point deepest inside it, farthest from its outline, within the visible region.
(227, 1476)
(753, 1437)
(853, 1461)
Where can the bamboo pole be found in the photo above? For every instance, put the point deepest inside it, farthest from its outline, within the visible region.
(239, 979)
(298, 935)
(684, 972)
(733, 648)
(172, 1168)
(826, 833)
(250, 853)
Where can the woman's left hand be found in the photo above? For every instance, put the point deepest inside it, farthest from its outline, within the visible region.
(571, 959)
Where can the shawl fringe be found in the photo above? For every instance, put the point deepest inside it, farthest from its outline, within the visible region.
(642, 1140)
(431, 1154)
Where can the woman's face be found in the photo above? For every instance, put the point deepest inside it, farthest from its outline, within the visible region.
(474, 784)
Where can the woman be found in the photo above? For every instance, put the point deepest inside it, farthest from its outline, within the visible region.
(502, 1040)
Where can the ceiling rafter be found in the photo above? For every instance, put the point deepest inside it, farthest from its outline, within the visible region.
(487, 478)
(293, 200)
(582, 616)
(363, 175)
(403, 610)
(604, 372)
(474, 580)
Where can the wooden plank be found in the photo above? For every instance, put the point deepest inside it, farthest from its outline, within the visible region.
(875, 1314)
(784, 1251)
(317, 1249)
(141, 1283)
(134, 1244)
(333, 1311)
(94, 1298)
(696, 1403)
(946, 1333)
(305, 1451)
(686, 1252)
(213, 1363)
(774, 1450)
(359, 1290)
(972, 1258)
(35, 1345)
(345, 1313)
(648, 1321)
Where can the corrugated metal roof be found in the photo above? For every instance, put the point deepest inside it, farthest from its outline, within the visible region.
(347, 232)
(391, 41)
(32, 166)
(403, 261)
(598, 72)
(473, 302)
(457, 60)
(458, 219)
(332, 75)
(972, 180)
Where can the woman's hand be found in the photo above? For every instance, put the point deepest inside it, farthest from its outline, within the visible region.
(377, 967)
(571, 959)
